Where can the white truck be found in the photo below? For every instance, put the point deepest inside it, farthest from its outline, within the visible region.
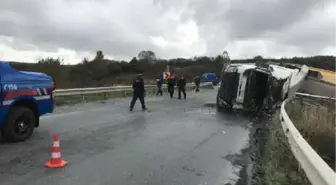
(253, 86)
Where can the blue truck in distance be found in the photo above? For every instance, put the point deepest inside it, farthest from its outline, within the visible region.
(24, 97)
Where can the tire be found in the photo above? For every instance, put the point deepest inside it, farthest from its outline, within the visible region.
(19, 125)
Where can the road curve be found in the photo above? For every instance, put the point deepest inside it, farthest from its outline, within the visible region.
(176, 142)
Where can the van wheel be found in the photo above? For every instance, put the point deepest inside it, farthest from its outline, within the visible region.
(19, 124)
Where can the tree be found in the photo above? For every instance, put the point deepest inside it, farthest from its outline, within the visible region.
(258, 58)
(85, 61)
(147, 55)
(50, 60)
(99, 55)
(219, 61)
(133, 61)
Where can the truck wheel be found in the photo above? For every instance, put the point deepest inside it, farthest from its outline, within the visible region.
(19, 124)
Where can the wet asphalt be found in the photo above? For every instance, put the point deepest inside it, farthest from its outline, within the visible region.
(177, 142)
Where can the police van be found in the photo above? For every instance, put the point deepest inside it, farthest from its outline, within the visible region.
(24, 97)
(252, 86)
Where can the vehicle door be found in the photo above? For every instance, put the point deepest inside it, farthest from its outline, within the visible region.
(229, 84)
(250, 89)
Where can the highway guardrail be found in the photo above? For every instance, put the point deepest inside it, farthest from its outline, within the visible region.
(97, 90)
(317, 170)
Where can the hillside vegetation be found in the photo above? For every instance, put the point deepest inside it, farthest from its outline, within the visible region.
(103, 72)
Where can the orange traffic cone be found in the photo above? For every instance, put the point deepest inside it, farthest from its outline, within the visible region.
(56, 160)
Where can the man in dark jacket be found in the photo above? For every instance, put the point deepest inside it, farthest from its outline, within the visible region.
(159, 85)
(138, 92)
(181, 84)
(197, 81)
(171, 85)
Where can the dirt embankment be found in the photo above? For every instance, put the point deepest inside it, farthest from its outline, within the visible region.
(272, 160)
(268, 160)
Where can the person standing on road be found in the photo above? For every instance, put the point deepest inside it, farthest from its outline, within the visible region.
(181, 84)
(138, 92)
(159, 85)
(197, 81)
(171, 86)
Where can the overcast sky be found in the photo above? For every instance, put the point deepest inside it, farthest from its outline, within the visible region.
(74, 29)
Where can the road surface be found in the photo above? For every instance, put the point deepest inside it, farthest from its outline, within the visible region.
(318, 88)
(176, 142)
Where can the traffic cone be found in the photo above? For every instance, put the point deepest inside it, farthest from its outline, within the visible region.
(56, 160)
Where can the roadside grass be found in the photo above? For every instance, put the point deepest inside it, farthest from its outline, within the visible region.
(278, 164)
(329, 76)
(316, 122)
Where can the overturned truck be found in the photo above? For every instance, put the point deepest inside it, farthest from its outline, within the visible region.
(253, 87)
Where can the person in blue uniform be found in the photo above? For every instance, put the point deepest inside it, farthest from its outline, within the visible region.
(181, 85)
(159, 85)
(138, 92)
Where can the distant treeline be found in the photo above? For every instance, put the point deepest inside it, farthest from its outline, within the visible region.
(104, 72)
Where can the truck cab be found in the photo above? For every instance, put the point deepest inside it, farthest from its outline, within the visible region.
(24, 97)
(252, 87)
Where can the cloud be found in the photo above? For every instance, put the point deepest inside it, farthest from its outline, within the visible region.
(184, 28)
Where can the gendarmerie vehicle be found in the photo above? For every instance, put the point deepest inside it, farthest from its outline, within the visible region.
(253, 86)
